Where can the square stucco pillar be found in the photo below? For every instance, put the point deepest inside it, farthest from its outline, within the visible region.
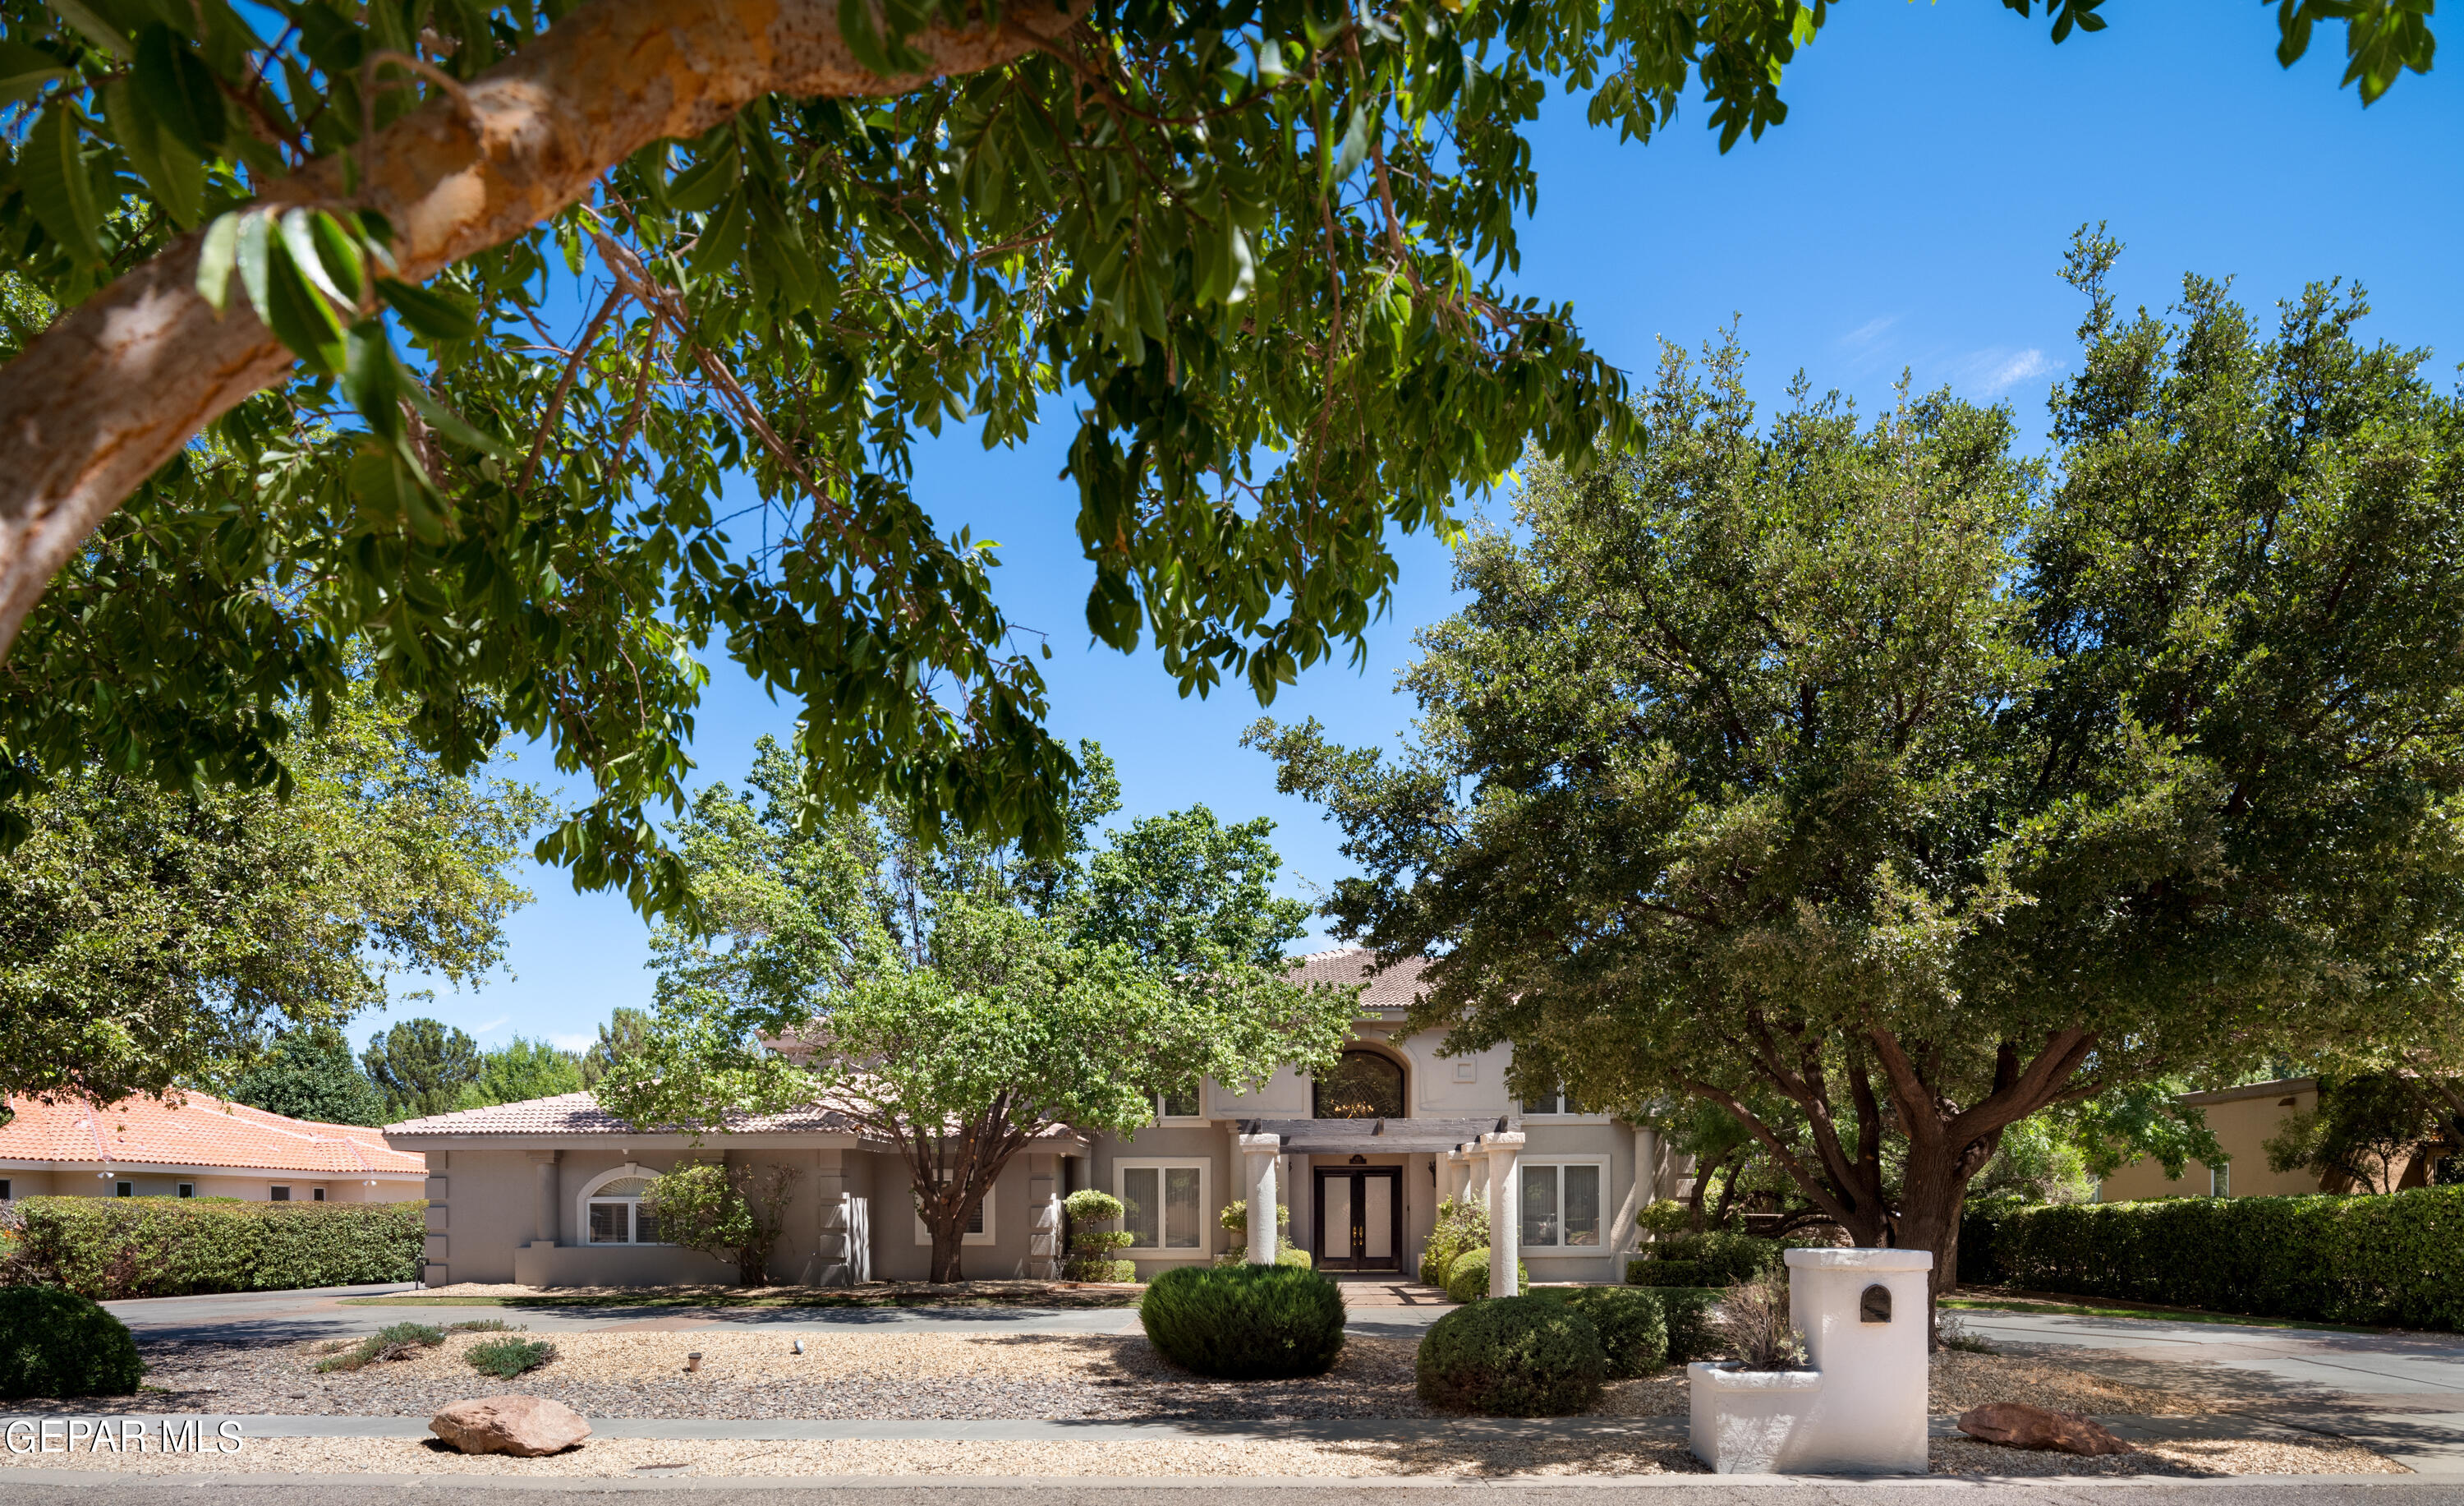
(543, 1214)
(1504, 1149)
(1458, 1175)
(1261, 1152)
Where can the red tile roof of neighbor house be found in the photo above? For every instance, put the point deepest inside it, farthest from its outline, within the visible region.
(196, 1129)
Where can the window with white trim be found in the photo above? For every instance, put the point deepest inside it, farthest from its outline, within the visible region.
(1557, 1100)
(1561, 1204)
(979, 1223)
(124, 1190)
(1177, 1103)
(1163, 1205)
(613, 1213)
(188, 1190)
(280, 1194)
(2220, 1179)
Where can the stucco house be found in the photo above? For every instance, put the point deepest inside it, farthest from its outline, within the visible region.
(194, 1145)
(547, 1192)
(2243, 1119)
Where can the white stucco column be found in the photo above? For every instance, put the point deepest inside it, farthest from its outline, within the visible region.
(1502, 1229)
(1458, 1175)
(1261, 1152)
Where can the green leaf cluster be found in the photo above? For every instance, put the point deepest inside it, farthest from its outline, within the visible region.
(110, 1248)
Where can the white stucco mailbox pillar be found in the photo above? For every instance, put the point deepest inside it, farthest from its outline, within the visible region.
(1260, 1152)
(1859, 1405)
(1503, 1147)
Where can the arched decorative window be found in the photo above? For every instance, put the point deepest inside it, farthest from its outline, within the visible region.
(1364, 1085)
(612, 1212)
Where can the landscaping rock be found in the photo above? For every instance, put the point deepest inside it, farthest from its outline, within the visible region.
(526, 1427)
(2018, 1426)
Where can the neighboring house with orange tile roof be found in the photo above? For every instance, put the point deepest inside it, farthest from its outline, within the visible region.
(197, 1145)
(548, 1193)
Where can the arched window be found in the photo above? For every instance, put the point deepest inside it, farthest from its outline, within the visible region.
(612, 1212)
(1364, 1085)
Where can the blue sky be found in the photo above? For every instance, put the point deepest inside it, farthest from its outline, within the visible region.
(1910, 213)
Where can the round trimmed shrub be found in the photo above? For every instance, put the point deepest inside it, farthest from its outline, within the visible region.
(1634, 1334)
(57, 1343)
(1467, 1277)
(1245, 1323)
(1513, 1357)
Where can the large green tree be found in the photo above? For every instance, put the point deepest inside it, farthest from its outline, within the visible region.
(1852, 776)
(959, 1003)
(150, 938)
(519, 1070)
(1256, 252)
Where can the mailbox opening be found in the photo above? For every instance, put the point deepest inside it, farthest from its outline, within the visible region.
(1875, 1306)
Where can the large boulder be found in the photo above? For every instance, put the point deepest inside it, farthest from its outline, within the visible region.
(525, 1426)
(2018, 1426)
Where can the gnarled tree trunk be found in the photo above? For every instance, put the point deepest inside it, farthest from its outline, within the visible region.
(114, 389)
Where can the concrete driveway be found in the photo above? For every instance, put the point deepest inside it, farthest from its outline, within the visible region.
(2400, 1393)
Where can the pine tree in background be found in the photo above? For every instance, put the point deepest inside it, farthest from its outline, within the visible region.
(421, 1067)
(310, 1075)
(620, 1037)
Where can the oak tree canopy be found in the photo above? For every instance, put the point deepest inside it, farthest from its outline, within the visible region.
(290, 378)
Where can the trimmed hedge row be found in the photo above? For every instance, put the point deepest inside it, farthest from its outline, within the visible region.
(2395, 1259)
(112, 1248)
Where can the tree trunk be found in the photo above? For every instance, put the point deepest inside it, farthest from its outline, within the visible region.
(106, 395)
(949, 1238)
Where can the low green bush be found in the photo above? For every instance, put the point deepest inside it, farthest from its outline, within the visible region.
(1460, 1225)
(57, 1343)
(1633, 1332)
(1714, 1257)
(507, 1358)
(113, 1247)
(1686, 1312)
(2393, 1259)
(1235, 1219)
(1467, 1279)
(1245, 1323)
(1515, 1356)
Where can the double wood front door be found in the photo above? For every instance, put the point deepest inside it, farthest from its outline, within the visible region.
(1358, 1215)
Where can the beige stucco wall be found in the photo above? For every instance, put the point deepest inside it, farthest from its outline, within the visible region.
(2241, 1119)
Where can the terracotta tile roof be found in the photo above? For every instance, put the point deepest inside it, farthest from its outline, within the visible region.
(195, 1129)
(580, 1114)
(1395, 989)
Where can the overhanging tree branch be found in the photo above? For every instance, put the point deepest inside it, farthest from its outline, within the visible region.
(112, 391)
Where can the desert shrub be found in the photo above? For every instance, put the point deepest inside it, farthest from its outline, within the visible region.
(2395, 1258)
(57, 1343)
(1753, 1326)
(1633, 1332)
(1515, 1356)
(113, 1247)
(397, 1342)
(1467, 1279)
(1245, 1323)
(1688, 1311)
(1091, 1249)
(481, 1325)
(1460, 1225)
(507, 1358)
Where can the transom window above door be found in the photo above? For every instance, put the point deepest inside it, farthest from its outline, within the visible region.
(1364, 1085)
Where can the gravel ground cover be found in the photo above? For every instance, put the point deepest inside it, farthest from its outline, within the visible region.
(853, 1375)
(871, 1294)
(1435, 1455)
(1960, 1382)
